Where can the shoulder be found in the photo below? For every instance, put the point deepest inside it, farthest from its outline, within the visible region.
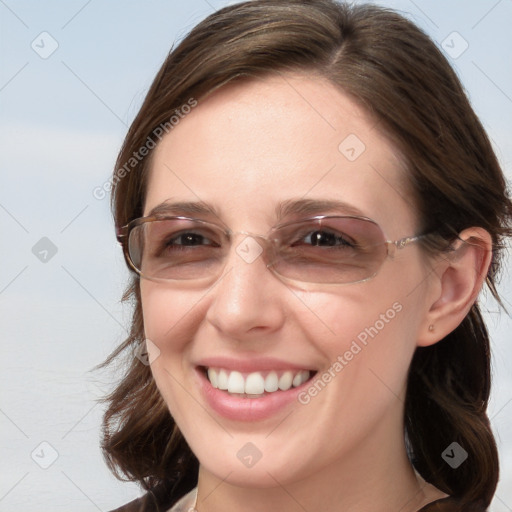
(146, 503)
(136, 505)
(154, 501)
(158, 501)
(450, 505)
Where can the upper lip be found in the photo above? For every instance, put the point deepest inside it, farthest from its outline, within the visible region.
(254, 364)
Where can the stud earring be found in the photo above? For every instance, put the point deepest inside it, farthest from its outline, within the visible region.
(431, 327)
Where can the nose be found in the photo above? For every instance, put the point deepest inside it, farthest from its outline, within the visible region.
(248, 300)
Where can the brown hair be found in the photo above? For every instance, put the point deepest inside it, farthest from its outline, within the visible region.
(398, 74)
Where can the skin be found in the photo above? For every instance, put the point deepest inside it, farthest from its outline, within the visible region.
(245, 149)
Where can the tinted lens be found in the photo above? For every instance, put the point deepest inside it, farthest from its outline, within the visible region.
(176, 249)
(330, 250)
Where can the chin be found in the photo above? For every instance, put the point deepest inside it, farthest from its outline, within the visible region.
(259, 476)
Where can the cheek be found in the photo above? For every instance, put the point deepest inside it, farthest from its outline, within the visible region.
(360, 314)
(170, 319)
(366, 332)
(165, 312)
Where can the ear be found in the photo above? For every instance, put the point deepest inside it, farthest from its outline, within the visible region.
(459, 277)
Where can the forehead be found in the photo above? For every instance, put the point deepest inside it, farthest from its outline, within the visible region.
(253, 146)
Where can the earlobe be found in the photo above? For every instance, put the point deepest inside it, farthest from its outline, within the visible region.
(461, 275)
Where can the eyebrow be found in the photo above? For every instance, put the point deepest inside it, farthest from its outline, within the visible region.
(296, 207)
(315, 206)
(184, 208)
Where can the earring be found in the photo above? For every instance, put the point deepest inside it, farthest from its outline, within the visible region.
(431, 327)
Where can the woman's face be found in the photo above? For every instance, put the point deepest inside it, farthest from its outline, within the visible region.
(248, 150)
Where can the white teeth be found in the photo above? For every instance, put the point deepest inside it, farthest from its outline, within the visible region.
(297, 380)
(254, 384)
(300, 378)
(212, 375)
(236, 383)
(271, 382)
(285, 382)
(222, 380)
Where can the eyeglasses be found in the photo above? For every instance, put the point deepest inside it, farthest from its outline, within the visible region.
(322, 249)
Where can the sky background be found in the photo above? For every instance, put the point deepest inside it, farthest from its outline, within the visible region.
(63, 116)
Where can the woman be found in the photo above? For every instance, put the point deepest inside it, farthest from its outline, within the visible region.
(310, 208)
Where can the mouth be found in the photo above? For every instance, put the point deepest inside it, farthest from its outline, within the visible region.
(255, 384)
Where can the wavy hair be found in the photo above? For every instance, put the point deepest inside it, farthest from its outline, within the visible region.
(394, 71)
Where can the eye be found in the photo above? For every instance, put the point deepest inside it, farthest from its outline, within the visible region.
(323, 238)
(190, 239)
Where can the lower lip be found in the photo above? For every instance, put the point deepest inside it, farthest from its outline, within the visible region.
(247, 409)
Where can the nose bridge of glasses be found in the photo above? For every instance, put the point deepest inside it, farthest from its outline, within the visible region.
(248, 234)
(250, 246)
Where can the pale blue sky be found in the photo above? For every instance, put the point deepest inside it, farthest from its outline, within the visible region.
(62, 120)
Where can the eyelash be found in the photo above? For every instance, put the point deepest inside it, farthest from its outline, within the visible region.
(172, 241)
(339, 237)
(345, 242)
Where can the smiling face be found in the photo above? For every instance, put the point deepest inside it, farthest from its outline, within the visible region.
(249, 151)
